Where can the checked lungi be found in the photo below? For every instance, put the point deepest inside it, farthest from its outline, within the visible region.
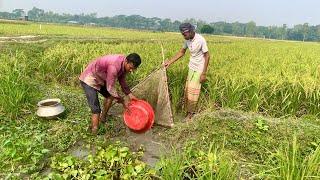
(192, 90)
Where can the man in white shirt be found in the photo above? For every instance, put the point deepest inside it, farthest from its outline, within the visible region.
(198, 64)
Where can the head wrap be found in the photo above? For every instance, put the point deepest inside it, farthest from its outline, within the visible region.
(186, 27)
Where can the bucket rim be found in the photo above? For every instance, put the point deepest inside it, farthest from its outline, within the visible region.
(56, 100)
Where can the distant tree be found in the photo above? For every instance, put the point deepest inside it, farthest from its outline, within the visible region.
(88, 18)
(300, 32)
(251, 28)
(296, 33)
(318, 32)
(52, 17)
(175, 25)
(312, 33)
(218, 27)
(269, 31)
(284, 31)
(191, 21)
(6, 15)
(199, 24)
(305, 30)
(227, 28)
(236, 29)
(35, 13)
(165, 24)
(18, 13)
(262, 31)
(207, 29)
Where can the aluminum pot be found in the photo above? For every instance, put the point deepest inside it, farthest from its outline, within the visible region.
(50, 108)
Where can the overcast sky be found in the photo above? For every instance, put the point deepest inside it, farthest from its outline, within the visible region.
(266, 12)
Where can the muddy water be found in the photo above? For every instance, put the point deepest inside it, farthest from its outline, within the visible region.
(149, 142)
(152, 147)
(80, 150)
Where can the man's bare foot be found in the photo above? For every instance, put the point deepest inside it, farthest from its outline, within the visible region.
(189, 117)
(94, 130)
(103, 118)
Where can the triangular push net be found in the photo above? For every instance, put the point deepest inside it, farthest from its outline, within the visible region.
(153, 89)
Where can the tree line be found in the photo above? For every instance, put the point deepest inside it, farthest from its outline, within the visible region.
(300, 32)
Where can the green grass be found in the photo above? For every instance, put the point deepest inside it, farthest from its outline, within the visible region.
(276, 78)
(16, 92)
(195, 163)
(256, 143)
(273, 78)
(65, 31)
(288, 162)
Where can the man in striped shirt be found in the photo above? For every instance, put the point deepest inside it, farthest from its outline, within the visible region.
(198, 64)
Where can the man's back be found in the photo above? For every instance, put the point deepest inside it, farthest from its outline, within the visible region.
(95, 75)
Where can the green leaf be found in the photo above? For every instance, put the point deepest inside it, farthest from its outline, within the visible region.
(37, 153)
(74, 173)
(18, 159)
(110, 154)
(139, 168)
(124, 149)
(123, 154)
(70, 160)
(13, 153)
(6, 142)
(64, 165)
(44, 151)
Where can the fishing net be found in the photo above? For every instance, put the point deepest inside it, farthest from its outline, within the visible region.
(153, 89)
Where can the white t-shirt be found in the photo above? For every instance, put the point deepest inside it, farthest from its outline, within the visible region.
(197, 46)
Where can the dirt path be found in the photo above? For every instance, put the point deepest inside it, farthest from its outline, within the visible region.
(22, 39)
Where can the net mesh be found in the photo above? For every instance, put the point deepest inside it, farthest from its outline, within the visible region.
(153, 89)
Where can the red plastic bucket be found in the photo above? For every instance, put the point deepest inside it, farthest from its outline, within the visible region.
(139, 117)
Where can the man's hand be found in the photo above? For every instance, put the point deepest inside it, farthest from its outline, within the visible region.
(120, 100)
(132, 97)
(125, 105)
(166, 64)
(203, 78)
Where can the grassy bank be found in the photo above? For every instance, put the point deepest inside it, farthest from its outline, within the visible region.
(274, 79)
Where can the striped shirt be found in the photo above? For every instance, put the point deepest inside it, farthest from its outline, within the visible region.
(197, 46)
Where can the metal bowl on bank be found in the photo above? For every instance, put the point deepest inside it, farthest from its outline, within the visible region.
(50, 108)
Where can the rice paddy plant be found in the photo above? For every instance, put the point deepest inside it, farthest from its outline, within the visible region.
(176, 80)
(170, 168)
(237, 78)
(276, 78)
(65, 31)
(64, 62)
(16, 91)
(265, 97)
(194, 163)
(281, 76)
(288, 162)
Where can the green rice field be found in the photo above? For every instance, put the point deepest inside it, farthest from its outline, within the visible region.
(258, 114)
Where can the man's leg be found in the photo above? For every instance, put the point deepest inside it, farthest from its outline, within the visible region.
(93, 102)
(106, 106)
(193, 87)
(95, 123)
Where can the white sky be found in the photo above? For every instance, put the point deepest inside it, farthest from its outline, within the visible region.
(266, 12)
